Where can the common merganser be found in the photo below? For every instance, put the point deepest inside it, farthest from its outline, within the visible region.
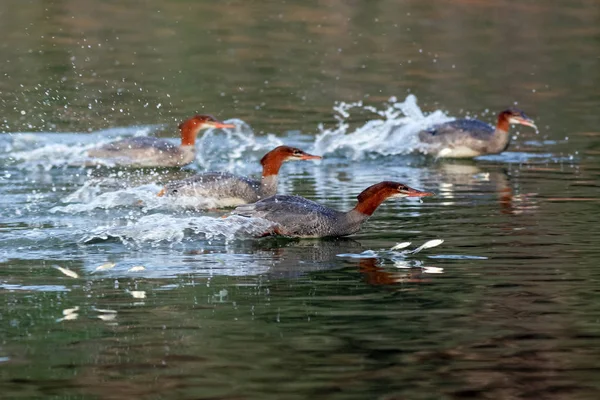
(467, 138)
(295, 216)
(145, 151)
(228, 190)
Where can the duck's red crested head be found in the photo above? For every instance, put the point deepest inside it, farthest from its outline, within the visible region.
(513, 116)
(191, 126)
(272, 161)
(373, 196)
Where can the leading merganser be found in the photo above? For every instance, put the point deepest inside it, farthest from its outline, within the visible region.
(146, 151)
(467, 138)
(221, 189)
(295, 216)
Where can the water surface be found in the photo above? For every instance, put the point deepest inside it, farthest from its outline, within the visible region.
(111, 292)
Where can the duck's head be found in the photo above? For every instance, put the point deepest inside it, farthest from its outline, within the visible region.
(373, 196)
(191, 126)
(517, 117)
(273, 160)
(198, 122)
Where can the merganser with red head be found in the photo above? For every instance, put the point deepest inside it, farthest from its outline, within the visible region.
(227, 190)
(146, 151)
(295, 216)
(467, 138)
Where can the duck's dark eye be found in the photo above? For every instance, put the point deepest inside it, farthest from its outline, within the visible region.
(174, 191)
(297, 152)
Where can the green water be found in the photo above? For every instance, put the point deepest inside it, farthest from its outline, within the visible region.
(506, 308)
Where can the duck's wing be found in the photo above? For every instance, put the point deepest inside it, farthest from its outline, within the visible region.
(456, 130)
(277, 207)
(143, 151)
(139, 143)
(218, 185)
(293, 215)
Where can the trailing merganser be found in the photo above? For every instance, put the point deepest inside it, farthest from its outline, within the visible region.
(295, 216)
(467, 138)
(145, 151)
(228, 190)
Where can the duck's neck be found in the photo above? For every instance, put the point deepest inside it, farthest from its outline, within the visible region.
(188, 155)
(268, 186)
(188, 136)
(501, 138)
(368, 204)
(368, 201)
(271, 164)
(351, 222)
(503, 125)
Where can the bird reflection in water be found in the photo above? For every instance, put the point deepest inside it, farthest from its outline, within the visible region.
(374, 273)
(484, 179)
(292, 258)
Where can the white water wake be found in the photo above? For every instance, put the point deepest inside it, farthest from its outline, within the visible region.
(54, 150)
(393, 132)
(160, 228)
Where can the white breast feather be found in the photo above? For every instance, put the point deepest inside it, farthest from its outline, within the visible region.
(458, 152)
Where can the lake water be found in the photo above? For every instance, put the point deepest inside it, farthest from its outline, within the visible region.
(194, 307)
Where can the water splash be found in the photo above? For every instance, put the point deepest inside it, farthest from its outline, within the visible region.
(52, 150)
(230, 148)
(90, 197)
(51, 156)
(427, 245)
(394, 252)
(394, 132)
(389, 130)
(143, 198)
(160, 228)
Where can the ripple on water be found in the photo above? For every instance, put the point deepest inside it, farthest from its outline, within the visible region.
(525, 157)
(36, 288)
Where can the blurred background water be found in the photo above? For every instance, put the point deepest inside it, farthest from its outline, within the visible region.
(110, 292)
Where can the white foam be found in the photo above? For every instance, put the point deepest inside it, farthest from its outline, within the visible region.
(226, 149)
(51, 150)
(93, 196)
(389, 130)
(52, 155)
(157, 228)
(394, 132)
(230, 148)
(89, 197)
(85, 194)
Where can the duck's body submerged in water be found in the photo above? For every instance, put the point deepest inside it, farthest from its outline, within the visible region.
(221, 189)
(145, 151)
(467, 138)
(295, 216)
